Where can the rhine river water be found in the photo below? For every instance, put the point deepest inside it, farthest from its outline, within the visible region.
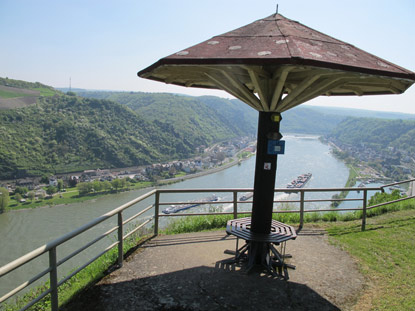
(24, 230)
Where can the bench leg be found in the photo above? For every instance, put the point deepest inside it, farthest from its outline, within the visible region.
(261, 253)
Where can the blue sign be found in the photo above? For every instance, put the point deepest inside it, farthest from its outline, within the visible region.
(276, 147)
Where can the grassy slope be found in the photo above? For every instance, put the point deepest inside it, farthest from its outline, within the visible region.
(12, 94)
(385, 253)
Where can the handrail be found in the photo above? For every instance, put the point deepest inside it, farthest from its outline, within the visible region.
(157, 193)
(46, 247)
(398, 183)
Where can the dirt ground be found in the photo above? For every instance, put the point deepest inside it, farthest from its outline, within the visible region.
(184, 272)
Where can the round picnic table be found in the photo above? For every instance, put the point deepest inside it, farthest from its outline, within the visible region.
(273, 259)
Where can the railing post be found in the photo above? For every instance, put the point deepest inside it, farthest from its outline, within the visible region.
(120, 240)
(235, 204)
(156, 213)
(53, 275)
(301, 208)
(364, 210)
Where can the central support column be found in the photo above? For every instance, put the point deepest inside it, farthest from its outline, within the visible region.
(264, 185)
(265, 171)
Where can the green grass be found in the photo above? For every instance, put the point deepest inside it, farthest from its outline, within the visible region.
(196, 224)
(86, 277)
(44, 91)
(351, 181)
(10, 94)
(212, 222)
(386, 255)
(181, 174)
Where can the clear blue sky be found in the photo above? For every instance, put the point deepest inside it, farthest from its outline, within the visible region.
(103, 44)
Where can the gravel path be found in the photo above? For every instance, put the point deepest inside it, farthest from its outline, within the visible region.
(181, 272)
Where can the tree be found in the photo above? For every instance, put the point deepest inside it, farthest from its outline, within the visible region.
(60, 184)
(106, 185)
(18, 197)
(124, 183)
(21, 190)
(72, 181)
(31, 195)
(45, 179)
(84, 188)
(97, 185)
(51, 190)
(116, 183)
(4, 199)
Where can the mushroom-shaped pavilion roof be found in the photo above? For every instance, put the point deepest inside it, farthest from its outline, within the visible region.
(275, 63)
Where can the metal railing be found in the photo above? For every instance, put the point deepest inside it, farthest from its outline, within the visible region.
(50, 248)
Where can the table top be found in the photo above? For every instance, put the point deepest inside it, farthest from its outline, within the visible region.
(241, 228)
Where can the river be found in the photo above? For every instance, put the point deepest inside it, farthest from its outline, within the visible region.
(24, 230)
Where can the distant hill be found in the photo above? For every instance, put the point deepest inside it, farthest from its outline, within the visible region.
(303, 119)
(378, 134)
(197, 118)
(322, 120)
(387, 145)
(58, 133)
(18, 94)
(361, 113)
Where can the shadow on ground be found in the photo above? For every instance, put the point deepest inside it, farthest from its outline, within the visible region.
(202, 288)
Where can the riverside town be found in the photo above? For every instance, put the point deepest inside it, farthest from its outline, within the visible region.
(220, 155)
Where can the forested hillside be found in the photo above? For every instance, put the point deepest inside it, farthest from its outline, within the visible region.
(67, 133)
(377, 133)
(180, 110)
(199, 118)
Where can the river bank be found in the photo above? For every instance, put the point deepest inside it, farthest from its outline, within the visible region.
(72, 194)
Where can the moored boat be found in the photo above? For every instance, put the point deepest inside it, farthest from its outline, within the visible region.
(181, 207)
(300, 181)
(246, 196)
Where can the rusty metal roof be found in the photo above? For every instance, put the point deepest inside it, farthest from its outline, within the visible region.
(273, 49)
